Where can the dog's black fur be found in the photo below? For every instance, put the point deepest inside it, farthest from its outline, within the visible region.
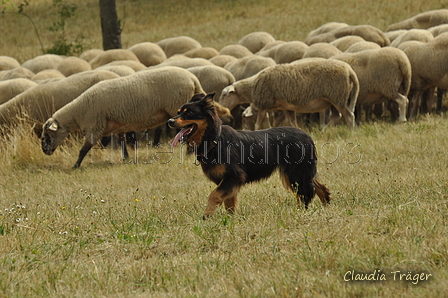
(232, 158)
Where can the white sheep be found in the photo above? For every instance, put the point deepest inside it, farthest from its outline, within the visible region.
(325, 28)
(343, 43)
(121, 70)
(203, 52)
(367, 32)
(437, 30)
(321, 50)
(178, 45)
(305, 86)
(422, 20)
(429, 63)
(7, 63)
(88, 55)
(184, 62)
(384, 75)
(255, 41)
(149, 53)
(285, 52)
(222, 60)
(248, 66)
(235, 50)
(42, 62)
(362, 46)
(72, 65)
(140, 101)
(18, 72)
(112, 55)
(213, 78)
(13, 87)
(47, 74)
(38, 103)
(422, 35)
(135, 65)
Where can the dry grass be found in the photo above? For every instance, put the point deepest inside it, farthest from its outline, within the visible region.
(134, 230)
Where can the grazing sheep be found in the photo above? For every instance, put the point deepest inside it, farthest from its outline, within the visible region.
(413, 34)
(37, 104)
(304, 86)
(429, 63)
(18, 72)
(255, 41)
(47, 74)
(285, 52)
(248, 66)
(235, 50)
(212, 78)
(321, 50)
(437, 30)
(325, 28)
(7, 63)
(13, 87)
(362, 46)
(121, 70)
(270, 45)
(345, 42)
(140, 101)
(178, 45)
(392, 35)
(384, 75)
(204, 52)
(222, 60)
(149, 53)
(88, 55)
(422, 20)
(184, 62)
(367, 32)
(42, 62)
(112, 55)
(72, 65)
(135, 65)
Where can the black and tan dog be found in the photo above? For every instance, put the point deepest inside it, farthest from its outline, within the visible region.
(233, 158)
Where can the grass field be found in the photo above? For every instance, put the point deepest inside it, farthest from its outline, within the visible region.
(111, 229)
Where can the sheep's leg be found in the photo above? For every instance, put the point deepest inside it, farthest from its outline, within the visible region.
(440, 93)
(291, 117)
(124, 149)
(260, 119)
(414, 102)
(82, 153)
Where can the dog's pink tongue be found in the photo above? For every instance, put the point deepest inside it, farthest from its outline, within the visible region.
(179, 136)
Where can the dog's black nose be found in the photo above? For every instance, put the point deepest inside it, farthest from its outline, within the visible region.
(171, 122)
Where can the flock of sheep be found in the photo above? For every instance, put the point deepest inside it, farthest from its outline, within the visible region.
(339, 70)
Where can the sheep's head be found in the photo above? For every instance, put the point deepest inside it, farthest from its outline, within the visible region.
(229, 98)
(52, 136)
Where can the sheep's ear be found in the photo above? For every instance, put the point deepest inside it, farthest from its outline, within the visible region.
(53, 126)
(228, 89)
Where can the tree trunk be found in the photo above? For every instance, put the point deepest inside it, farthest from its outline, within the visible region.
(110, 25)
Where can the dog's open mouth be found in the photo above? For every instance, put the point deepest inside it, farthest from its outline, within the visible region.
(184, 134)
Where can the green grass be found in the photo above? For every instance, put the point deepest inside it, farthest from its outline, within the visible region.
(135, 230)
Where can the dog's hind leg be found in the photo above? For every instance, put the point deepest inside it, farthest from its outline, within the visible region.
(303, 187)
(226, 192)
(322, 192)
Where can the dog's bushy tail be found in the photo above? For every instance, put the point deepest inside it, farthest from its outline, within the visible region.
(322, 192)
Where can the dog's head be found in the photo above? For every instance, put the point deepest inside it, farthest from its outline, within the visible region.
(194, 119)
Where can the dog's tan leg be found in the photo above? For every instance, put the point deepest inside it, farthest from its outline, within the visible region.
(322, 192)
(223, 193)
(230, 204)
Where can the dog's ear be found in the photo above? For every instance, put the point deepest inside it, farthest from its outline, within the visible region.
(197, 97)
(208, 100)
